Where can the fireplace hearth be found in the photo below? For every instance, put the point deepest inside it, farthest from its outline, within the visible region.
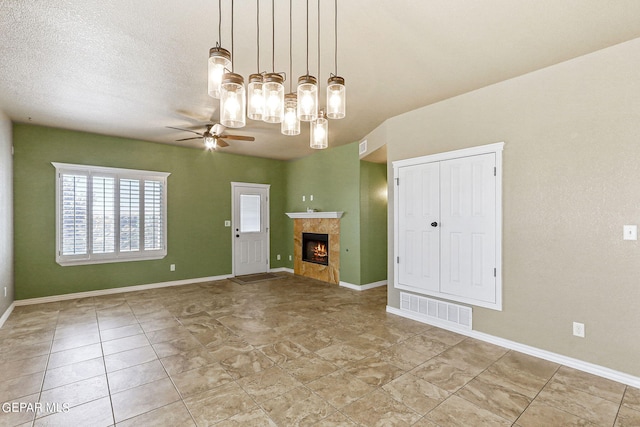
(315, 248)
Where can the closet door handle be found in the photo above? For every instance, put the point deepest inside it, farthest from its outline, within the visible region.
(434, 224)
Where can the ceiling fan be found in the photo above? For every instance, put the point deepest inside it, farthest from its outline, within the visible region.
(213, 136)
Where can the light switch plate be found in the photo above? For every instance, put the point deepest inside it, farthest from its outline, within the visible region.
(227, 223)
(630, 232)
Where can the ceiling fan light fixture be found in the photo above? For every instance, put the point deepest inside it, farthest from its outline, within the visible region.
(255, 97)
(307, 98)
(233, 104)
(219, 62)
(319, 132)
(273, 98)
(209, 141)
(290, 123)
(336, 98)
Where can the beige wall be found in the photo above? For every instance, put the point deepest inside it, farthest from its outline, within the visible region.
(571, 181)
(6, 214)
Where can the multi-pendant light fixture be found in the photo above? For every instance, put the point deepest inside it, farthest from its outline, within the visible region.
(266, 99)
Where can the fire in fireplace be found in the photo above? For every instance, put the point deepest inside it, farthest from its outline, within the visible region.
(315, 248)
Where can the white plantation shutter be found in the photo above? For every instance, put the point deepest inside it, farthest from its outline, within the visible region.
(153, 215)
(103, 215)
(129, 215)
(109, 214)
(74, 214)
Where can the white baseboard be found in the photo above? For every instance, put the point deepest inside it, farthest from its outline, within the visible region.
(578, 364)
(6, 314)
(281, 269)
(55, 298)
(363, 287)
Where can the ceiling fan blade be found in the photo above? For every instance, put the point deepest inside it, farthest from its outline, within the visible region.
(184, 130)
(239, 137)
(222, 143)
(188, 139)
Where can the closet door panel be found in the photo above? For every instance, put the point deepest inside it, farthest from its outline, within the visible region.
(468, 227)
(419, 241)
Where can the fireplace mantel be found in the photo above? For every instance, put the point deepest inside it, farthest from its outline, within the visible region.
(300, 215)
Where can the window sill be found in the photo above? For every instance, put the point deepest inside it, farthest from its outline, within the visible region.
(68, 263)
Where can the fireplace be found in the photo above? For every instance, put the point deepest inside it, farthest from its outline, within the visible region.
(315, 248)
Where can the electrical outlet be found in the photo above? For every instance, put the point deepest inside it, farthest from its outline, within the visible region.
(311, 197)
(172, 267)
(578, 329)
(278, 257)
(290, 258)
(304, 198)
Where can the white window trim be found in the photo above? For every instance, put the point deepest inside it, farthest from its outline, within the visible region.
(117, 256)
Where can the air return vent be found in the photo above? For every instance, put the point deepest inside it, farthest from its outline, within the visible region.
(436, 311)
(362, 147)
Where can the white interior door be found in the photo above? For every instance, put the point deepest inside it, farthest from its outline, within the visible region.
(419, 236)
(250, 228)
(468, 227)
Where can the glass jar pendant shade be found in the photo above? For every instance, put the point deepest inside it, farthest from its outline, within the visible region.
(255, 97)
(290, 124)
(233, 105)
(307, 98)
(219, 62)
(336, 98)
(273, 98)
(319, 133)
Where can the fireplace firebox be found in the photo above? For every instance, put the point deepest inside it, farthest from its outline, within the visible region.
(315, 248)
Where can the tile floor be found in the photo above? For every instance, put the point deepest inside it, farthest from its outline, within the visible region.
(286, 352)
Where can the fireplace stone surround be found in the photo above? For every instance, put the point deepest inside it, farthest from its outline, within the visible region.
(325, 224)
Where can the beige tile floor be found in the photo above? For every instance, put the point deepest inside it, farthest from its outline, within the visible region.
(286, 352)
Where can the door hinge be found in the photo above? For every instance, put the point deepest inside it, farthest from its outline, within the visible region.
(494, 171)
(397, 260)
(494, 272)
(397, 182)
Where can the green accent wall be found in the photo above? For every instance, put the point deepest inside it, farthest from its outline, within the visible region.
(333, 178)
(339, 181)
(199, 201)
(373, 222)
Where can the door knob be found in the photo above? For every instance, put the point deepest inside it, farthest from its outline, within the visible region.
(434, 224)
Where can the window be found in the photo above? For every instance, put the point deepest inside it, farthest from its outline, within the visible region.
(109, 214)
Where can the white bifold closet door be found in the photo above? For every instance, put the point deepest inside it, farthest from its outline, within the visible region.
(447, 227)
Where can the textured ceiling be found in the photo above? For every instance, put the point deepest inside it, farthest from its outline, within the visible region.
(130, 68)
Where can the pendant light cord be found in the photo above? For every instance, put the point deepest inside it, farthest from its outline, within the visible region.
(335, 19)
(273, 36)
(318, 38)
(290, 38)
(232, 56)
(220, 22)
(258, 35)
(307, 37)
